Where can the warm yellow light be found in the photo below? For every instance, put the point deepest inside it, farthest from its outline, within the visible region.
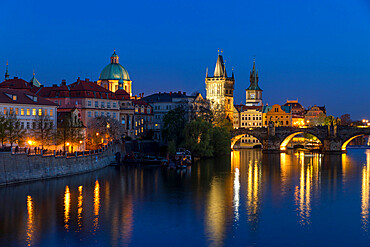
(80, 142)
(67, 144)
(30, 142)
(97, 134)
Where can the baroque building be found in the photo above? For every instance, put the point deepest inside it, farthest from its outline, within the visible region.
(220, 89)
(114, 76)
(253, 92)
(279, 115)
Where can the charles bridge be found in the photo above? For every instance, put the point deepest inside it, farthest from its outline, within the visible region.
(334, 139)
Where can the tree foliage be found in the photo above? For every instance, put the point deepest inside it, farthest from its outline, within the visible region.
(346, 119)
(173, 125)
(106, 128)
(70, 130)
(10, 129)
(43, 130)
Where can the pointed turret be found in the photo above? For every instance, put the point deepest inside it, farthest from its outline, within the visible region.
(253, 78)
(6, 72)
(114, 58)
(34, 82)
(220, 70)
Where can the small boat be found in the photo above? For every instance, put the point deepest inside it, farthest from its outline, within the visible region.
(151, 160)
(184, 156)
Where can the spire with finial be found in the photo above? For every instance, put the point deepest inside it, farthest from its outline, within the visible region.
(114, 58)
(206, 72)
(253, 77)
(220, 70)
(7, 71)
(34, 82)
(232, 72)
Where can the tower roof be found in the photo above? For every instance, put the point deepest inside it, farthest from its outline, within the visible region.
(34, 82)
(220, 70)
(114, 70)
(7, 72)
(253, 78)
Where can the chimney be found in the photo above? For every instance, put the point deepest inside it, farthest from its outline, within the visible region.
(55, 85)
(87, 80)
(15, 77)
(179, 92)
(170, 93)
(64, 82)
(184, 93)
(78, 79)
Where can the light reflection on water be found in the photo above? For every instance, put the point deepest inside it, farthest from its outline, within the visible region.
(294, 198)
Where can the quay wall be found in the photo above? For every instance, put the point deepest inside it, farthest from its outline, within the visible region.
(17, 168)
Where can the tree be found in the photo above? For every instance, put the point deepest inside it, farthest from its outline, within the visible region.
(70, 130)
(3, 131)
(346, 119)
(329, 120)
(13, 129)
(43, 130)
(173, 125)
(221, 141)
(198, 137)
(105, 128)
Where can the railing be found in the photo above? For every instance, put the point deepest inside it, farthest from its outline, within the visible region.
(55, 153)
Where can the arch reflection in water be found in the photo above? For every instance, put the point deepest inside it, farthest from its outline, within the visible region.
(365, 192)
(67, 207)
(30, 221)
(308, 183)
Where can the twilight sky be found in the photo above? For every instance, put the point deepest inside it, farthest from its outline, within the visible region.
(317, 51)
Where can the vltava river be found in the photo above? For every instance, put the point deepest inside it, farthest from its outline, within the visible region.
(247, 199)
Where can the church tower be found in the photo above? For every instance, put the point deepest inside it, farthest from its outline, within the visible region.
(220, 89)
(6, 72)
(253, 92)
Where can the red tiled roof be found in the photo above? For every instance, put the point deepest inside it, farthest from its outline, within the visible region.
(23, 97)
(122, 94)
(15, 83)
(140, 102)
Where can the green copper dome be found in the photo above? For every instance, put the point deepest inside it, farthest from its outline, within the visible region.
(114, 71)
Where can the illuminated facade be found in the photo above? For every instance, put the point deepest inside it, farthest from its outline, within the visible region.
(297, 112)
(220, 89)
(315, 116)
(247, 117)
(114, 76)
(279, 115)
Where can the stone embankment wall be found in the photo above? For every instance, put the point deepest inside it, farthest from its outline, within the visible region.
(16, 168)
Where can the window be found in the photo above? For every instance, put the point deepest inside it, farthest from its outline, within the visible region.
(287, 122)
(96, 114)
(11, 110)
(45, 112)
(89, 103)
(5, 110)
(22, 125)
(114, 105)
(102, 114)
(96, 103)
(28, 125)
(40, 112)
(102, 104)
(14, 97)
(28, 112)
(123, 120)
(108, 104)
(136, 109)
(51, 113)
(22, 111)
(33, 112)
(108, 114)
(89, 114)
(114, 115)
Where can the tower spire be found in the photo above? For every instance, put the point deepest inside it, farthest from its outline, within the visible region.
(7, 71)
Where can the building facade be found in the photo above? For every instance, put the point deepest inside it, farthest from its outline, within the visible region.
(315, 115)
(297, 113)
(279, 115)
(220, 89)
(248, 117)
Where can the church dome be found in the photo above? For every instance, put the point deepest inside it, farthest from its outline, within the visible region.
(114, 71)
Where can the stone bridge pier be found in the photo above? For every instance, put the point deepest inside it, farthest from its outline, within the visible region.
(334, 139)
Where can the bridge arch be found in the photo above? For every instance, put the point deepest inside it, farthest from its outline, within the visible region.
(236, 138)
(288, 138)
(344, 145)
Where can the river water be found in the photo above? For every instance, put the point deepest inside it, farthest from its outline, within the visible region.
(246, 199)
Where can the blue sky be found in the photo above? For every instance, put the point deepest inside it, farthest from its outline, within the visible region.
(317, 51)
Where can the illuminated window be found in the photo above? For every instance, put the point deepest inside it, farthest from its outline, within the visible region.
(16, 111)
(22, 111)
(28, 113)
(11, 110)
(45, 112)
(51, 112)
(14, 97)
(5, 110)
(33, 112)
(40, 112)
